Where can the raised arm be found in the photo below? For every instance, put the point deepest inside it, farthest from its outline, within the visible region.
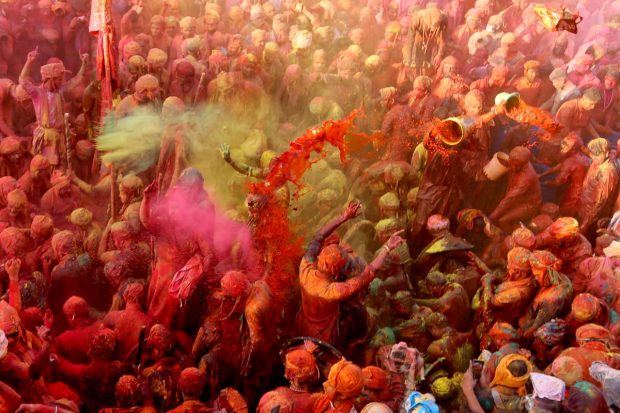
(259, 173)
(24, 76)
(150, 192)
(314, 247)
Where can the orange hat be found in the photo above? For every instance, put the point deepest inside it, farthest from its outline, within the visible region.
(75, 307)
(275, 400)
(593, 332)
(375, 378)
(523, 237)
(14, 242)
(300, 364)
(504, 377)
(345, 379)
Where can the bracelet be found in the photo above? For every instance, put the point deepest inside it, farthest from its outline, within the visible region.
(387, 249)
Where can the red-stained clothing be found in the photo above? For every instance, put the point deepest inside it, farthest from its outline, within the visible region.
(599, 276)
(35, 189)
(530, 92)
(511, 298)
(573, 170)
(598, 192)
(523, 196)
(302, 401)
(74, 344)
(396, 125)
(191, 406)
(60, 207)
(320, 300)
(490, 91)
(127, 324)
(96, 380)
(588, 354)
(572, 117)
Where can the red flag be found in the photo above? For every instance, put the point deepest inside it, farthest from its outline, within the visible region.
(101, 25)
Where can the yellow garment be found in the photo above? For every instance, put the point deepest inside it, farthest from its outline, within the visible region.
(503, 377)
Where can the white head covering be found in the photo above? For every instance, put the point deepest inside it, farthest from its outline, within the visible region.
(610, 381)
(613, 250)
(548, 387)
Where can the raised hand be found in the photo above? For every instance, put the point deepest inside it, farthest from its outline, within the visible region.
(395, 240)
(225, 151)
(352, 210)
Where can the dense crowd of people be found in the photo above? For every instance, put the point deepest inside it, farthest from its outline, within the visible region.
(309, 206)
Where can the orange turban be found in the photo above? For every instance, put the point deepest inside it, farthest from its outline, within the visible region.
(345, 379)
(191, 382)
(63, 243)
(9, 146)
(300, 364)
(39, 163)
(593, 332)
(17, 198)
(504, 377)
(375, 378)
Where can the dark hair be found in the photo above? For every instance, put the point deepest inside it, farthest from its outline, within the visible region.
(517, 368)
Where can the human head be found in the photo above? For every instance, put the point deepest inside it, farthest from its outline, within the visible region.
(158, 25)
(376, 384)
(156, 60)
(17, 202)
(590, 99)
(235, 284)
(300, 365)
(385, 228)
(14, 242)
(345, 380)
(64, 244)
(530, 70)
(330, 260)
(134, 293)
(590, 333)
(147, 89)
(128, 392)
(436, 324)
(40, 167)
(437, 225)
(568, 369)
(523, 237)
(274, 401)
(583, 64)
(76, 311)
(11, 149)
(611, 80)
(41, 228)
(188, 27)
(160, 341)
(191, 383)
(474, 102)
(172, 26)
(53, 76)
(558, 77)
(518, 260)
(543, 264)
(81, 218)
(502, 333)
(212, 20)
(564, 229)
(513, 371)
(499, 74)
(389, 204)
(421, 86)
(519, 157)
(102, 344)
(599, 149)
(130, 188)
(586, 308)
(259, 38)
(570, 144)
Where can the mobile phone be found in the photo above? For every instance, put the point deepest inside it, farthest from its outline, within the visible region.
(476, 368)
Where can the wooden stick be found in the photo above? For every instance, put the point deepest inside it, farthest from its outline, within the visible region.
(67, 143)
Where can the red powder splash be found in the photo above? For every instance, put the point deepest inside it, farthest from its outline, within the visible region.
(273, 234)
(531, 115)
